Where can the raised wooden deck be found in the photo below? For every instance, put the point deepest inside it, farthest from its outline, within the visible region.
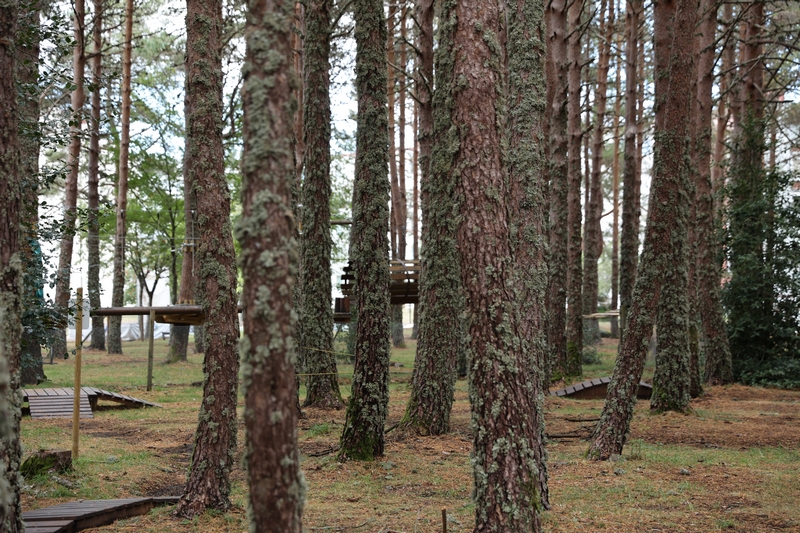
(76, 516)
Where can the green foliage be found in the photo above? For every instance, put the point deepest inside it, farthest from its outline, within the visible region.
(762, 297)
(590, 355)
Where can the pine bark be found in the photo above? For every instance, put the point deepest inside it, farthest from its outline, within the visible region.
(208, 483)
(667, 219)
(505, 425)
(316, 316)
(27, 72)
(59, 346)
(363, 437)
(557, 169)
(629, 238)
(269, 261)
(441, 302)
(528, 196)
(594, 233)
(10, 277)
(718, 355)
(398, 196)
(114, 344)
(574, 177)
(98, 338)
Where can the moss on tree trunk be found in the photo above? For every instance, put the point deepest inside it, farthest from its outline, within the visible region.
(362, 438)
(666, 223)
(316, 316)
(208, 483)
(269, 260)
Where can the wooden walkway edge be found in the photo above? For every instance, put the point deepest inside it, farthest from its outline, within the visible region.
(57, 402)
(71, 517)
(595, 389)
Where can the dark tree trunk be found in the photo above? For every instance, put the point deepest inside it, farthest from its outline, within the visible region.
(208, 483)
(441, 332)
(717, 351)
(363, 437)
(718, 368)
(114, 345)
(269, 262)
(527, 101)
(557, 258)
(666, 220)
(59, 345)
(316, 316)
(629, 238)
(98, 339)
(506, 482)
(34, 312)
(574, 175)
(594, 233)
(10, 277)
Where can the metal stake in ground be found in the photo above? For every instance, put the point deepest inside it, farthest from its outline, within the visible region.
(76, 389)
(150, 332)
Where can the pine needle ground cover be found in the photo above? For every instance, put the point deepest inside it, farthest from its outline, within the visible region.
(731, 465)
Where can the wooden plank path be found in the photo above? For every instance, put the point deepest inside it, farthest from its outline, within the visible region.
(58, 402)
(71, 517)
(595, 389)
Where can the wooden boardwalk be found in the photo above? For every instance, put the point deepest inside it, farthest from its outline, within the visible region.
(595, 389)
(58, 402)
(76, 516)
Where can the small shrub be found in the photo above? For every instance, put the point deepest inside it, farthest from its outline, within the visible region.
(590, 356)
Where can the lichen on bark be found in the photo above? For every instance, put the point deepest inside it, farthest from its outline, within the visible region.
(441, 333)
(269, 261)
(363, 437)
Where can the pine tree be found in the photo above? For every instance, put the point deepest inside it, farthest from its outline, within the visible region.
(502, 376)
(441, 334)
(665, 237)
(269, 265)
(114, 344)
(10, 277)
(363, 438)
(208, 483)
(316, 316)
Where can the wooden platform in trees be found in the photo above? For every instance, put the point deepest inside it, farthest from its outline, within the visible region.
(403, 287)
(76, 516)
(58, 402)
(595, 389)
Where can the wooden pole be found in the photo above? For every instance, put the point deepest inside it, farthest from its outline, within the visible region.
(76, 389)
(444, 520)
(151, 329)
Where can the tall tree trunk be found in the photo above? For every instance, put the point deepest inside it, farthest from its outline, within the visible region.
(574, 240)
(208, 483)
(629, 239)
(718, 369)
(59, 346)
(398, 199)
(269, 261)
(34, 312)
(528, 193)
(98, 341)
(316, 316)
(10, 277)
(723, 113)
(594, 233)
(118, 290)
(179, 342)
(666, 220)
(441, 301)
(414, 222)
(615, 191)
(506, 425)
(363, 437)
(558, 166)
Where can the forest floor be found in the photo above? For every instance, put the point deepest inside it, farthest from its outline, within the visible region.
(732, 464)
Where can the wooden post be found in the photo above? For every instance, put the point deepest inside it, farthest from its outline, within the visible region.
(76, 389)
(151, 332)
(444, 520)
